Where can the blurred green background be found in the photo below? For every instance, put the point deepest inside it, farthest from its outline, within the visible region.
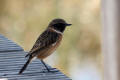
(79, 55)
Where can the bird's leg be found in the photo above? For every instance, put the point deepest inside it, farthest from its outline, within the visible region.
(49, 69)
(45, 65)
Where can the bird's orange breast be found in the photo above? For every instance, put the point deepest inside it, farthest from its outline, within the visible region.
(50, 49)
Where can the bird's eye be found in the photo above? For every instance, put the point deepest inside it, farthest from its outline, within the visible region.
(59, 24)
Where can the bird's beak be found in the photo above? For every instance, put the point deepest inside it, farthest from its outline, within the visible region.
(68, 24)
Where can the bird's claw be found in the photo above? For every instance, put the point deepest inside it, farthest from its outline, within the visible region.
(51, 70)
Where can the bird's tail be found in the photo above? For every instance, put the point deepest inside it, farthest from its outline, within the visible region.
(25, 65)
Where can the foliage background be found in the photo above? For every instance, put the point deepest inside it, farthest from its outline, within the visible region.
(79, 55)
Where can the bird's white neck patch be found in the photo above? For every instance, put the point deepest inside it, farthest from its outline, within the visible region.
(57, 31)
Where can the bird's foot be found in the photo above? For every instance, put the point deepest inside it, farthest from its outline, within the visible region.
(52, 70)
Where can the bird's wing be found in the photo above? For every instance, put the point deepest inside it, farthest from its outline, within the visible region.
(46, 39)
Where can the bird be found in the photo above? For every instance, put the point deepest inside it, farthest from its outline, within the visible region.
(47, 42)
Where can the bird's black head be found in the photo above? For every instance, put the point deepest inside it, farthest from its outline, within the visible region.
(58, 24)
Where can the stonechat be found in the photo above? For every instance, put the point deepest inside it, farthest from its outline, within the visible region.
(47, 42)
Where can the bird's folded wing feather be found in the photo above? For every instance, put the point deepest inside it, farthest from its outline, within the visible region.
(46, 39)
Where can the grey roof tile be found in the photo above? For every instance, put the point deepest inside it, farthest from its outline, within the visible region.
(12, 59)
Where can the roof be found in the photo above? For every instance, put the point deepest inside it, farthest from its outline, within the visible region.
(12, 59)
